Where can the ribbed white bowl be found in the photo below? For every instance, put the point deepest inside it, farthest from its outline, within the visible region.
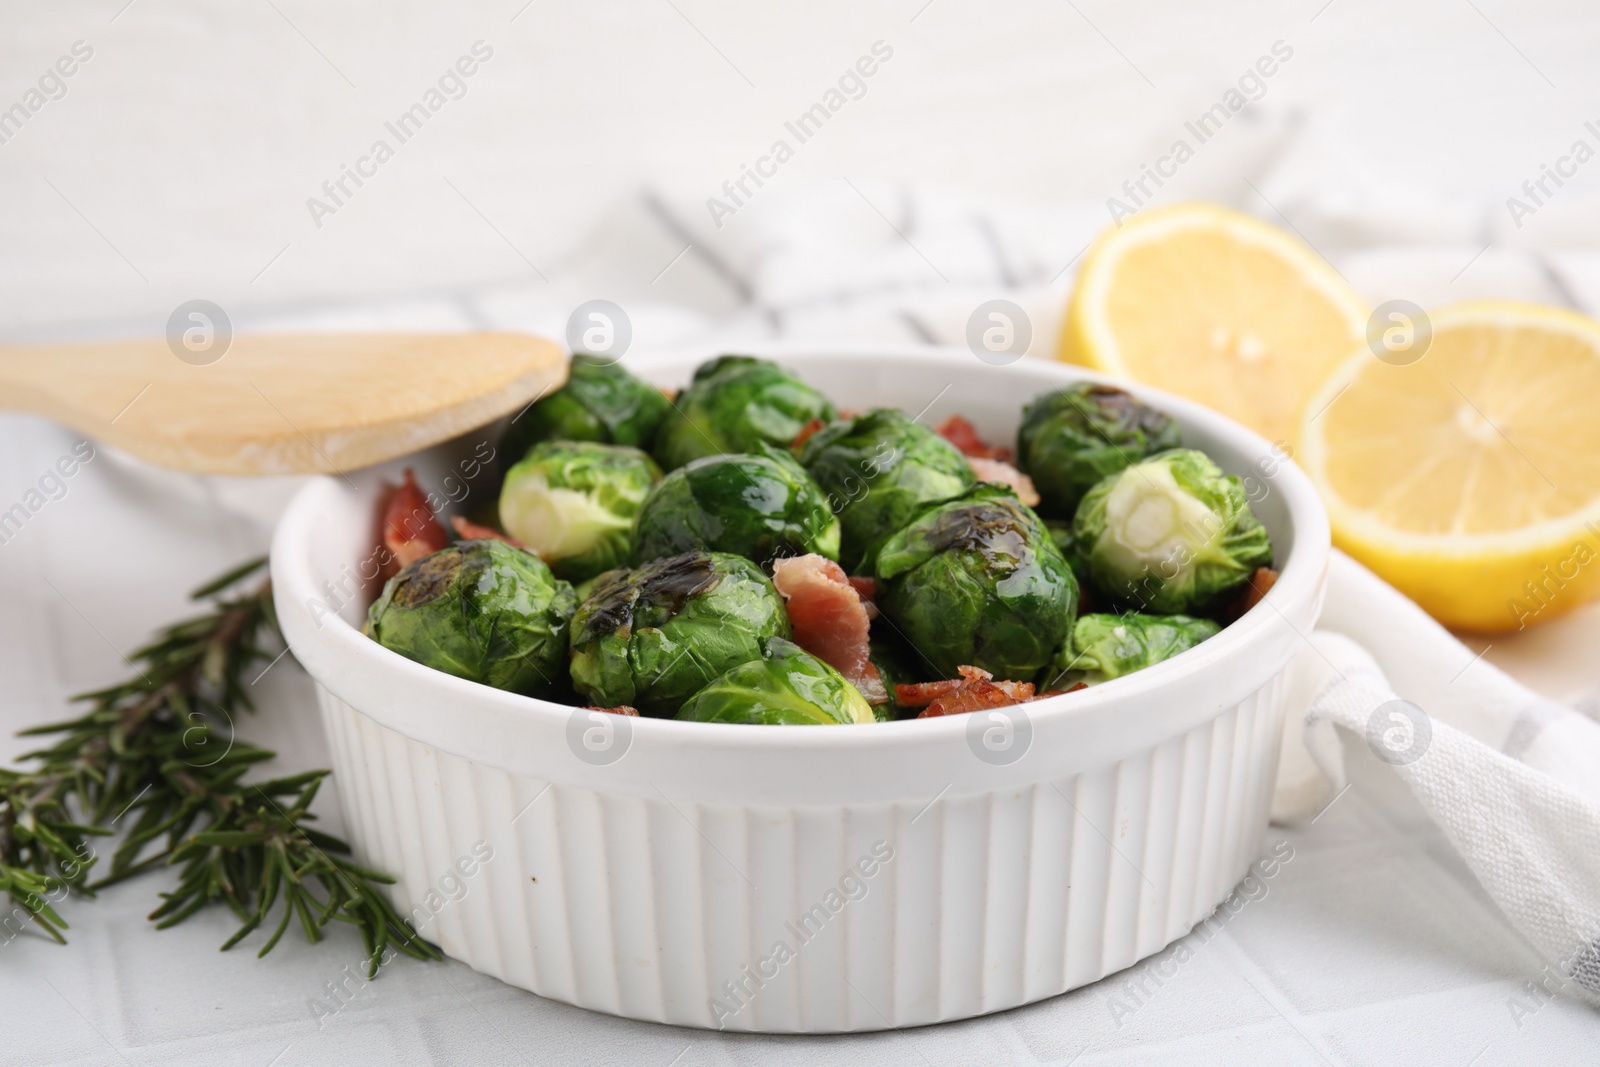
(657, 877)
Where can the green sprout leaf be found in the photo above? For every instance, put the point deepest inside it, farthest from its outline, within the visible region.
(1170, 534)
(1072, 438)
(732, 404)
(573, 504)
(483, 610)
(759, 506)
(787, 686)
(652, 637)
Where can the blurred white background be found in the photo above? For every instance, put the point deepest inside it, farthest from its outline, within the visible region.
(180, 159)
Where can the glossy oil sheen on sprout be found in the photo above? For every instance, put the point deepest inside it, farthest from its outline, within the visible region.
(1072, 438)
(759, 506)
(787, 686)
(977, 581)
(732, 404)
(878, 470)
(653, 636)
(601, 401)
(1109, 646)
(480, 610)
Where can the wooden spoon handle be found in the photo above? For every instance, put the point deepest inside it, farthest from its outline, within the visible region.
(282, 403)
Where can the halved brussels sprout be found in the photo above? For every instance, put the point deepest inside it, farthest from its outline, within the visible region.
(734, 403)
(1110, 646)
(1073, 437)
(1170, 534)
(481, 610)
(878, 469)
(758, 505)
(976, 581)
(574, 502)
(787, 686)
(654, 636)
(601, 401)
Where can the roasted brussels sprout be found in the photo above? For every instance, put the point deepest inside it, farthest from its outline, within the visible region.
(878, 469)
(787, 686)
(653, 636)
(1170, 534)
(1109, 646)
(481, 610)
(733, 403)
(1073, 437)
(574, 502)
(977, 581)
(758, 505)
(600, 402)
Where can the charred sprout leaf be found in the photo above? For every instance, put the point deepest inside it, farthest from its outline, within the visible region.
(1072, 438)
(1170, 534)
(1109, 646)
(977, 581)
(156, 758)
(653, 636)
(481, 610)
(734, 403)
(573, 504)
(878, 470)
(759, 506)
(787, 686)
(601, 402)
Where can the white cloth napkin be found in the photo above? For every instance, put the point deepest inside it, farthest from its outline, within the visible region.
(1511, 778)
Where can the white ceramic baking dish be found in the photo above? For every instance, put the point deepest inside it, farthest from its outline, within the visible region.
(787, 879)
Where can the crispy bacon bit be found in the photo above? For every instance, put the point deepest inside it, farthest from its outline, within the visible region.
(620, 709)
(1262, 579)
(975, 690)
(805, 433)
(409, 529)
(961, 433)
(829, 619)
(993, 470)
(468, 530)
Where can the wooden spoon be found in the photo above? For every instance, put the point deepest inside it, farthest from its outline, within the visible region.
(282, 403)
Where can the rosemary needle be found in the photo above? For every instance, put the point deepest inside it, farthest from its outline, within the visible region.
(155, 759)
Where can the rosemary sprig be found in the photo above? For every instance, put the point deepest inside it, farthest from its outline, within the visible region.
(159, 750)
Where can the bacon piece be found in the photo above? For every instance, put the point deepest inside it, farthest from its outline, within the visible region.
(961, 433)
(994, 470)
(866, 588)
(409, 529)
(975, 690)
(829, 619)
(805, 433)
(620, 709)
(1262, 579)
(468, 530)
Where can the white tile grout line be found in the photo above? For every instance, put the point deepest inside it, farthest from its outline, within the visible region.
(1268, 990)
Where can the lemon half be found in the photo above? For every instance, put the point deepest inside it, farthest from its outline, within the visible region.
(1217, 306)
(1470, 479)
